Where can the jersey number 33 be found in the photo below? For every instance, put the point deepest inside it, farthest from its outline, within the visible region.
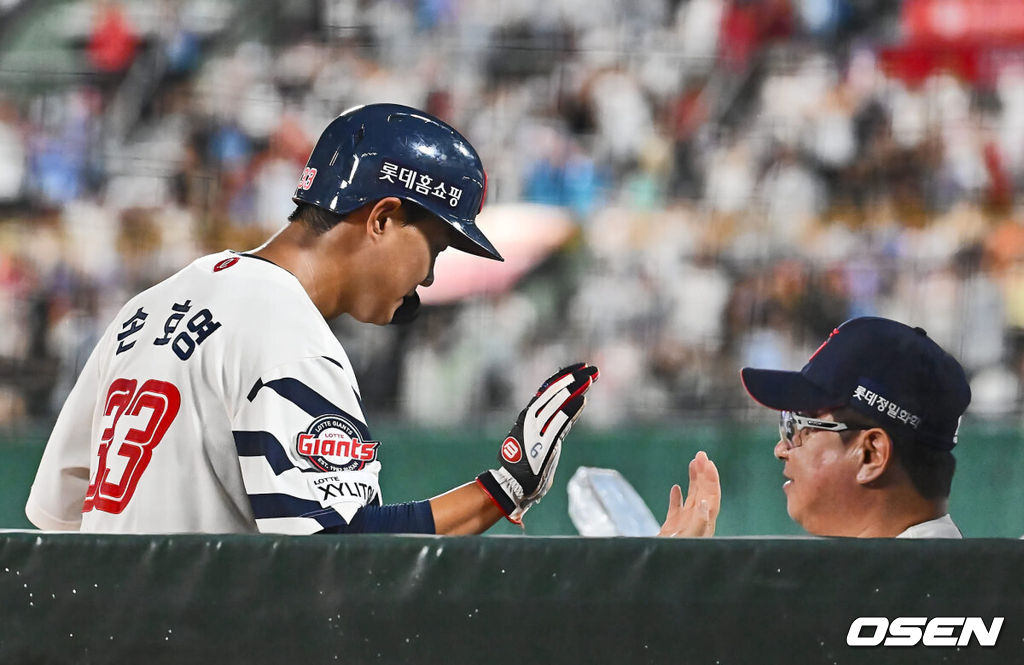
(138, 418)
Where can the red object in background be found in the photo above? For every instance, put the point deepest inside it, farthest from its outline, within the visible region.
(1000, 188)
(689, 112)
(748, 24)
(113, 42)
(915, 63)
(962, 37)
(738, 35)
(988, 22)
(439, 104)
(290, 141)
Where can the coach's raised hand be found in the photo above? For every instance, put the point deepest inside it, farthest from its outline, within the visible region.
(529, 454)
(696, 516)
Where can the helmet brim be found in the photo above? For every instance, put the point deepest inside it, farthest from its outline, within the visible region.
(470, 239)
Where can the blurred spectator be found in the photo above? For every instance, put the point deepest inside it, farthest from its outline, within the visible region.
(562, 174)
(12, 154)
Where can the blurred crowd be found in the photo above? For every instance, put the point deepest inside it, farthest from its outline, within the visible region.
(744, 176)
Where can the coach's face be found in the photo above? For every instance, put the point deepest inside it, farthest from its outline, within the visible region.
(821, 480)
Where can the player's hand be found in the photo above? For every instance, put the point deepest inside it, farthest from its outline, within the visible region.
(529, 454)
(696, 516)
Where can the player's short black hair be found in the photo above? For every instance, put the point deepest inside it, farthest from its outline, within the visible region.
(930, 469)
(321, 221)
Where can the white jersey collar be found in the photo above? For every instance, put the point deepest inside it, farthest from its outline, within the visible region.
(942, 527)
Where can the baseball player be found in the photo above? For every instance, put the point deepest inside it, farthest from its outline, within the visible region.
(220, 401)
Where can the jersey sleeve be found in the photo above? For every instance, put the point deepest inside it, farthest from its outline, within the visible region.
(62, 480)
(412, 517)
(307, 458)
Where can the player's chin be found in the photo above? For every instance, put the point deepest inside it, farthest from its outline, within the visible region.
(388, 314)
(383, 317)
(378, 316)
(794, 510)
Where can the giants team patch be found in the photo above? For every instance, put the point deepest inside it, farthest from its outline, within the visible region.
(332, 443)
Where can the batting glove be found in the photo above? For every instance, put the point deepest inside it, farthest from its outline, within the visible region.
(529, 454)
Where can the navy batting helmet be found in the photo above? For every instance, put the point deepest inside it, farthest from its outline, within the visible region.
(378, 150)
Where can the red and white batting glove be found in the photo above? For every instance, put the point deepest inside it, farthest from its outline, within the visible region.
(529, 454)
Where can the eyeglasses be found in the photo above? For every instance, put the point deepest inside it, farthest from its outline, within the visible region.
(790, 423)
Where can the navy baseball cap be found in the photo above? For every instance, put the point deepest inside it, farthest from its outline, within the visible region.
(886, 370)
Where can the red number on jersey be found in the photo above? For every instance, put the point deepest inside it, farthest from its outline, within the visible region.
(114, 483)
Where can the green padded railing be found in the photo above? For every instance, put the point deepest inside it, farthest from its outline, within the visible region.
(73, 598)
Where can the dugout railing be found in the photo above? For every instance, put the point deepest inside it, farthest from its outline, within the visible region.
(72, 598)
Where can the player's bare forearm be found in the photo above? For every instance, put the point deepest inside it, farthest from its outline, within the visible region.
(464, 510)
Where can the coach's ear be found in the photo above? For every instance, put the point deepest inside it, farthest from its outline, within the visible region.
(380, 213)
(874, 448)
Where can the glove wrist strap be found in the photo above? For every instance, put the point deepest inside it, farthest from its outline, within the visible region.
(504, 491)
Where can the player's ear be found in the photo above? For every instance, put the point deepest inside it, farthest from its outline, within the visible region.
(381, 212)
(874, 448)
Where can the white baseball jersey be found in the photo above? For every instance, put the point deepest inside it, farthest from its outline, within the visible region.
(217, 401)
(940, 527)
